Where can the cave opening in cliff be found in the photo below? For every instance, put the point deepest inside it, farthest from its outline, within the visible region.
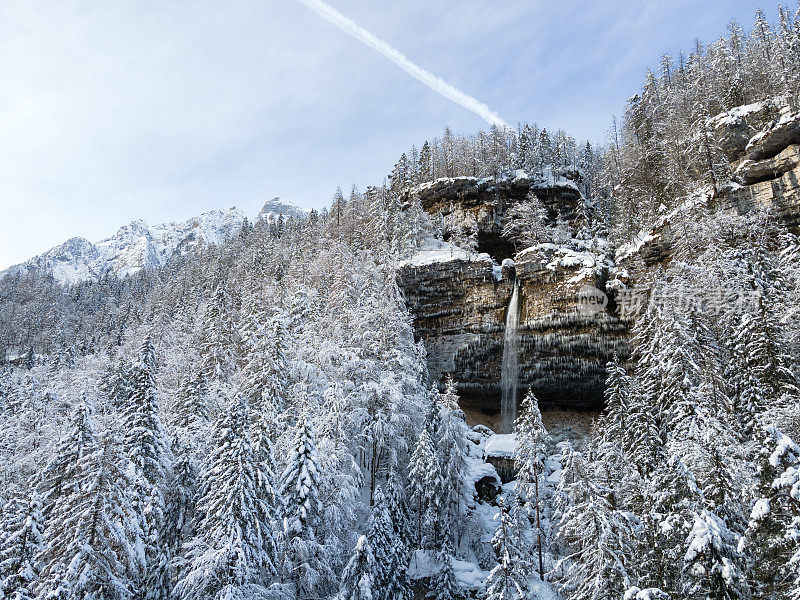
(495, 245)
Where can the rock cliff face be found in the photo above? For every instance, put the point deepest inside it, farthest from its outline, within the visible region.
(472, 208)
(459, 300)
(761, 142)
(767, 163)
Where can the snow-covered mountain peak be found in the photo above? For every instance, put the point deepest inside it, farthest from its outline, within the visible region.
(137, 245)
(279, 206)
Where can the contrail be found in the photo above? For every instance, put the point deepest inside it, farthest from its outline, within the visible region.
(437, 84)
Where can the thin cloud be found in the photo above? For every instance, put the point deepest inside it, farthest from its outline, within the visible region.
(437, 84)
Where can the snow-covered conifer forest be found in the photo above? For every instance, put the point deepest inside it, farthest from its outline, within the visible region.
(253, 415)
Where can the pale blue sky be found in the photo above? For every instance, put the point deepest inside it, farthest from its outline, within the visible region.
(112, 111)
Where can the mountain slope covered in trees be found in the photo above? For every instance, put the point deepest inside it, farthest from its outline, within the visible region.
(254, 418)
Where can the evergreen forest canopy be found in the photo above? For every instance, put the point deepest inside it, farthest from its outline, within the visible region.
(256, 420)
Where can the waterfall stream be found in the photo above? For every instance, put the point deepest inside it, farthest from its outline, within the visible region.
(509, 375)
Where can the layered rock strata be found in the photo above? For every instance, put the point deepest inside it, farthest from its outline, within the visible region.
(459, 300)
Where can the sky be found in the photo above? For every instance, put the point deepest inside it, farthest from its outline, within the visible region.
(123, 110)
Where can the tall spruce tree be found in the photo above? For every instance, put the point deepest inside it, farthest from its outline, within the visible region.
(509, 579)
(529, 459)
(358, 578)
(452, 451)
(772, 539)
(425, 483)
(60, 475)
(306, 562)
(93, 538)
(228, 556)
(145, 442)
(19, 553)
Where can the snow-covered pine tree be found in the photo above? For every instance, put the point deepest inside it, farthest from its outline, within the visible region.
(191, 410)
(443, 583)
(529, 459)
(670, 500)
(618, 396)
(254, 313)
(265, 367)
(146, 444)
(415, 228)
(11, 512)
(425, 483)
(772, 539)
(144, 436)
(509, 579)
(92, 545)
(713, 566)
(425, 163)
(227, 557)
(217, 336)
(358, 578)
(600, 539)
(643, 446)
(452, 450)
(306, 562)
(397, 507)
(60, 476)
(569, 489)
(19, 566)
(300, 480)
(179, 511)
(681, 385)
(762, 374)
(116, 383)
(391, 554)
(266, 479)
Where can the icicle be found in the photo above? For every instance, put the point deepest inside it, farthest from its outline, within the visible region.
(509, 376)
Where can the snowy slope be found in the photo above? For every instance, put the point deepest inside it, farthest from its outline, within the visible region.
(137, 246)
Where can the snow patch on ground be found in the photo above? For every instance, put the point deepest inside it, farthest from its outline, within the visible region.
(468, 574)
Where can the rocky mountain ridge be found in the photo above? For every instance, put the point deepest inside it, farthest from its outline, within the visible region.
(137, 245)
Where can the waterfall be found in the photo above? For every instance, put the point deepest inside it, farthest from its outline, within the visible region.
(509, 375)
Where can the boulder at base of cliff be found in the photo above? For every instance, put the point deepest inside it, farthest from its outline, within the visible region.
(480, 474)
(499, 452)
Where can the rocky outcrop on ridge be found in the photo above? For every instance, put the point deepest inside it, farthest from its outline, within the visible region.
(459, 299)
(761, 142)
(475, 209)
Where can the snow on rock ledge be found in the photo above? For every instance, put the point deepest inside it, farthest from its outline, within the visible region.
(501, 445)
(499, 452)
(424, 565)
(434, 251)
